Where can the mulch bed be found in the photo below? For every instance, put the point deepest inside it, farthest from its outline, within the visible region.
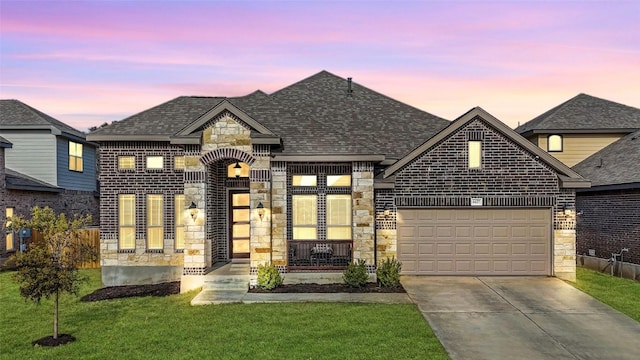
(172, 288)
(329, 288)
(50, 341)
(117, 292)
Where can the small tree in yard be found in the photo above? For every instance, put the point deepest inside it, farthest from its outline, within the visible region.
(50, 265)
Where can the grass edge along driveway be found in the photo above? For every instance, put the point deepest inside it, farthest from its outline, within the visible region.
(168, 327)
(621, 294)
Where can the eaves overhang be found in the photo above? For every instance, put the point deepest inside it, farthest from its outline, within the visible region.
(577, 131)
(626, 186)
(327, 158)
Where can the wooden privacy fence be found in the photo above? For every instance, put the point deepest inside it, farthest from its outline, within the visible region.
(89, 237)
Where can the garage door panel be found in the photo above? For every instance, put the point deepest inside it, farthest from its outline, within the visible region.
(475, 241)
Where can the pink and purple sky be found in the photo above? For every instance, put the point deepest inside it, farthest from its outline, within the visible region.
(88, 62)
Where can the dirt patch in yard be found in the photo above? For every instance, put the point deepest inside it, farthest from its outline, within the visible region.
(50, 341)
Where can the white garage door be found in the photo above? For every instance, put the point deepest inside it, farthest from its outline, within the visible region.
(474, 241)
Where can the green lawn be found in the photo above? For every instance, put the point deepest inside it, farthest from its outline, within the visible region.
(169, 328)
(621, 294)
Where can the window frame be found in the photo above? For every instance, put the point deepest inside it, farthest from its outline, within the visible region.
(9, 234)
(125, 169)
(561, 139)
(179, 159)
(304, 225)
(473, 157)
(322, 191)
(179, 223)
(148, 168)
(128, 227)
(155, 222)
(74, 158)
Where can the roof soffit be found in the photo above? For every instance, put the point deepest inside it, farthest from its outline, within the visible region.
(497, 125)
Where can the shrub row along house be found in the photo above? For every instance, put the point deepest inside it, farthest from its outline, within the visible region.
(323, 172)
(43, 162)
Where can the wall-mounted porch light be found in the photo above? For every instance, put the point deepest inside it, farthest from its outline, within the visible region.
(387, 212)
(260, 210)
(237, 168)
(567, 209)
(193, 211)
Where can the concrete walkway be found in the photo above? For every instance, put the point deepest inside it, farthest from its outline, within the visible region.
(521, 318)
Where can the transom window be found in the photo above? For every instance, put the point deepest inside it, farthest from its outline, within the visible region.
(155, 162)
(321, 207)
(75, 156)
(475, 154)
(155, 229)
(126, 162)
(554, 143)
(127, 221)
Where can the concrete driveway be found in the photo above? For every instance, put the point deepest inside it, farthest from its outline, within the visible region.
(521, 318)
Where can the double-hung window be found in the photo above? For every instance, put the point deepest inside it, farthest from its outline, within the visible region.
(155, 224)
(75, 156)
(127, 221)
(321, 207)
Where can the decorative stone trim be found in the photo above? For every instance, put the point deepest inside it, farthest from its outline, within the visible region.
(226, 153)
(261, 150)
(191, 177)
(224, 115)
(194, 271)
(279, 168)
(260, 175)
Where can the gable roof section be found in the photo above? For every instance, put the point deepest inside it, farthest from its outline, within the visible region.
(220, 108)
(318, 116)
(615, 166)
(20, 181)
(568, 177)
(15, 114)
(584, 114)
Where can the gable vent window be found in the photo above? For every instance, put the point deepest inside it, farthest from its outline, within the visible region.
(554, 143)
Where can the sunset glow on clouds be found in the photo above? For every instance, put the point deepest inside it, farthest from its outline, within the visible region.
(90, 62)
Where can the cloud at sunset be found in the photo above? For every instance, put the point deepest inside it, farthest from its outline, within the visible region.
(89, 62)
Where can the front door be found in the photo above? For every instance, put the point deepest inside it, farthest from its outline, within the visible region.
(239, 224)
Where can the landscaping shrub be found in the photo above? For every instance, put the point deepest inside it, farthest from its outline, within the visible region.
(355, 274)
(269, 277)
(388, 272)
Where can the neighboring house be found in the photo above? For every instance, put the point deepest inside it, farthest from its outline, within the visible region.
(323, 172)
(581, 126)
(609, 217)
(46, 163)
(4, 144)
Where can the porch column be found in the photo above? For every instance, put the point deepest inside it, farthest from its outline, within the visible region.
(197, 257)
(279, 213)
(363, 212)
(260, 193)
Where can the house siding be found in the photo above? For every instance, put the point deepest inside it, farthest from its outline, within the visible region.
(75, 180)
(577, 147)
(3, 204)
(510, 176)
(33, 154)
(609, 221)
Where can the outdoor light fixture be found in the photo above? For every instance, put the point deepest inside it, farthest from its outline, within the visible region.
(237, 169)
(193, 211)
(387, 213)
(260, 210)
(567, 209)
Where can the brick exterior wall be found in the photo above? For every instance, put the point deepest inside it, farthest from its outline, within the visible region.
(509, 177)
(140, 182)
(610, 221)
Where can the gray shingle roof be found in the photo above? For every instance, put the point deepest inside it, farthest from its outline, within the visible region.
(585, 112)
(615, 164)
(15, 113)
(313, 116)
(19, 181)
(318, 116)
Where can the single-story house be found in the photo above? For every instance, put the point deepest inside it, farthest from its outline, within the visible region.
(609, 211)
(323, 172)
